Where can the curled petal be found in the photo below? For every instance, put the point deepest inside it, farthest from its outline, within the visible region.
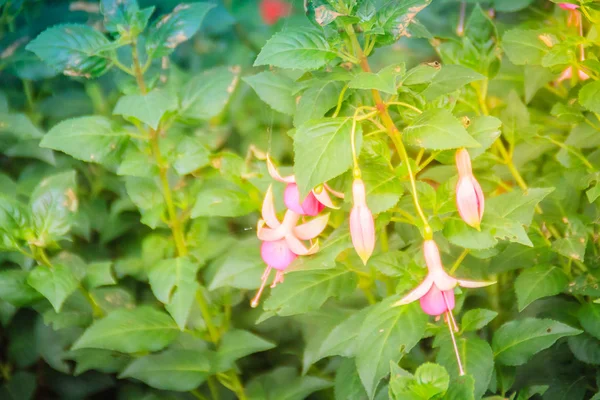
(268, 234)
(275, 173)
(470, 200)
(416, 293)
(323, 198)
(311, 229)
(310, 206)
(298, 247)
(436, 302)
(268, 209)
(277, 254)
(337, 194)
(474, 284)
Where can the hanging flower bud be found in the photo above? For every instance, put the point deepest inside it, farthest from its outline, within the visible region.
(362, 226)
(469, 196)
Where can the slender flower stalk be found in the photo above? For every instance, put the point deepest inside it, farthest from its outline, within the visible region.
(469, 196)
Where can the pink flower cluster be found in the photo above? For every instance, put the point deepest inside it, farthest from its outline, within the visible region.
(283, 241)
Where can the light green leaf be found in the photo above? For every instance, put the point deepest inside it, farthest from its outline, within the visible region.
(432, 378)
(438, 129)
(524, 46)
(304, 291)
(91, 139)
(589, 96)
(534, 79)
(190, 155)
(146, 195)
(175, 28)
(18, 126)
(241, 267)
(476, 356)
(124, 16)
(461, 388)
(236, 344)
(174, 283)
(347, 382)
(322, 151)
(449, 79)
(297, 49)
(387, 334)
(476, 319)
(315, 101)
(106, 361)
(537, 282)
(342, 340)
(148, 108)
(180, 370)
(275, 89)
(515, 118)
(206, 95)
(283, 383)
(138, 161)
(56, 283)
(516, 341)
(224, 199)
(589, 317)
(485, 130)
(72, 49)
(395, 18)
(384, 80)
(140, 329)
(518, 205)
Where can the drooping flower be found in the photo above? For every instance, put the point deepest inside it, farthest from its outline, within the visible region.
(362, 226)
(272, 10)
(568, 6)
(436, 292)
(277, 255)
(469, 196)
(313, 204)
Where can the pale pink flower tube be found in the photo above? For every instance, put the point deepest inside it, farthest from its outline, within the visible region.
(362, 226)
(469, 196)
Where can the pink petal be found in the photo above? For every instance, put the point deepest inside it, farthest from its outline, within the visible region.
(324, 199)
(268, 209)
(469, 200)
(298, 247)
(362, 231)
(416, 293)
(434, 303)
(566, 74)
(275, 173)
(583, 76)
(568, 6)
(474, 284)
(337, 194)
(436, 270)
(268, 234)
(310, 205)
(311, 229)
(277, 254)
(463, 162)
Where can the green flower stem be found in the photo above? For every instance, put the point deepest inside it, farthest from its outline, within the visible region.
(177, 229)
(458, 261)
(392, 131)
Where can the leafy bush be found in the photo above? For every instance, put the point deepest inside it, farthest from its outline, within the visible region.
(142, 142)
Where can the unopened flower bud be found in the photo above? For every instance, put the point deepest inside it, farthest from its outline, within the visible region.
(469, 196)
(362, 226)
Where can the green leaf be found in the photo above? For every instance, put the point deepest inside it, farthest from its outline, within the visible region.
(449, 79)
(518, 205)
(134, 330)
(589, 96)
(432, 378)
(175, 28)
(516, 341)
(181, 370)
(485, 130)
(422, 73)
(476, 319)
(342, 340)
(72, 49)
(387, 334)
(138, 161)
(438, 129)
(476, 356)
(91, 139)
(22, 386)
(18, 126)
(275, 89)
(109, 362)
(322, 151)
(384, 80)
(122, 16)
(589, 317)
(148, 108)
(515, 118)
(56, 283)
(224, 199)
(347, 382)
(15, 290)
(206, 95)
(524, 46)
(585, 348)
(174, 283)
(241, 267)
(382, 185)
(297, 49)
(461, 388)
(395, 18)
(319, 98)
(537, 282)
(535, 78)
(304, 291)
(190, 155)
(283, 383)
(236, 344)
(146, 195)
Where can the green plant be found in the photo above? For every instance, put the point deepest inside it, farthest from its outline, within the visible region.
(141, 142)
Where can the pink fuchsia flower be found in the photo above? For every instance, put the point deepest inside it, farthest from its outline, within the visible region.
(362, 226)
(436, 292)
(313, 204)
(469, 196)
(568, 6)
(272, 10)
(288, 229)
(568, 74)
(277, 255)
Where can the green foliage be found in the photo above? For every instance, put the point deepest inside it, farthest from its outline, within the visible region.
(133, 176)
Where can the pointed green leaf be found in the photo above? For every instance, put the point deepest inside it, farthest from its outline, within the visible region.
(140, 329)
(589, 317)
(588, 96)
(449, 79)
(148, 108)
(476, 319)
(524, 46)
(206, 94)
(56, 283)
(537, 282)
(15, 290)
(384, 80)
(236, 344)
(275, 89)
(438, 129)
(518, 205)
(320, 97)
(516, 341)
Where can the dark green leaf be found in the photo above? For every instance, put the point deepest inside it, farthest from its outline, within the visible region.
(537, 282)
(15, 290)
(476, 319)
(236, 344)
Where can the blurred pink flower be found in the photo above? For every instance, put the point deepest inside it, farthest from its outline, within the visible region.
(568, 6)
(362, 226)
(469, 196)
(272, 10)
